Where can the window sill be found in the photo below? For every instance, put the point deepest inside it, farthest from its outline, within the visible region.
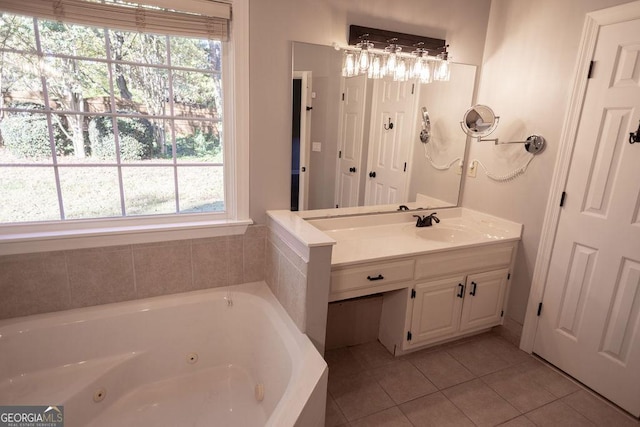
(25, 239)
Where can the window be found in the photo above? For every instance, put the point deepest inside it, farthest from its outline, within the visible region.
(122, 112)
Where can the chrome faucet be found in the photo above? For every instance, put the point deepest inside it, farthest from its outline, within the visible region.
(426, 220)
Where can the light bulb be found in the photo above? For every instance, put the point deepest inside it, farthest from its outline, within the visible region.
(375, 70)
(348, 67)
(400, 74)
(364, 58)
(416, 70)
(392, 63)
(392, 60)
(442, 72)
(426, 73)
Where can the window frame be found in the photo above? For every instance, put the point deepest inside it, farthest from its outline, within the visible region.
(83, 233)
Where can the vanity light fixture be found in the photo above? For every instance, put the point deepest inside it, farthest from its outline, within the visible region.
(378, 53)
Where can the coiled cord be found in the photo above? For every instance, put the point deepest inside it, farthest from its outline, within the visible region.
(507, 177)
(439, 167)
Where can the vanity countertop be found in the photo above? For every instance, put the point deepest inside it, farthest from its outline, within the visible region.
(387, 236)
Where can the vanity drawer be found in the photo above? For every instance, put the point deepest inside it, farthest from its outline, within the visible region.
(371, 275)
(464, 261)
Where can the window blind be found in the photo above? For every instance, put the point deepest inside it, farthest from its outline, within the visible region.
(198, 18)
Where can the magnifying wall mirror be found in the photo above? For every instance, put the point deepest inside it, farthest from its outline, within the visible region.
(356, 141)
(479, 121)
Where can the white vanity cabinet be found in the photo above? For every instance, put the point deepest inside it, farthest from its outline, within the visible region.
(458, 292)
(433, 297)
(437, 283)
(456, 305)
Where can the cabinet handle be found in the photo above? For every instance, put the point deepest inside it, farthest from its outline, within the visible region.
(473, 289)
(378, 277)
(461, 294)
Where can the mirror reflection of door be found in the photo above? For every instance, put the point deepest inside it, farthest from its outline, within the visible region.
(300, 140)
(352, 128)
(393, 123)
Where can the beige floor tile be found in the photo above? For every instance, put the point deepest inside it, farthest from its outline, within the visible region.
(598, 411)
(441, 369)
(558, 414)
(403, 382)
(554, 381)
(342, 362)
(519, 386)
(507, 350)
(333, 415)
(480, 357)
(480, 403)
(371, 355)
(520, 421)
(434, 410)
(358, 395)
(391, 417)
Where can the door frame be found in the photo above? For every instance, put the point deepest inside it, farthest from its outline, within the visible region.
(593, 22)
(305, 137)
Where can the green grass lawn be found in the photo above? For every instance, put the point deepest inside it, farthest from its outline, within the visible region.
(30, 194)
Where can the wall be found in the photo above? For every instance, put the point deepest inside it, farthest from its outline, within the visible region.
(52, 281)
(526, 78)
(275, 24)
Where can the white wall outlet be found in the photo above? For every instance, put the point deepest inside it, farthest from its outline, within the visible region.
(473, 168)
(313, 95)
(316, 146)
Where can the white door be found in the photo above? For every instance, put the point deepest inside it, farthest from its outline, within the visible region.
(392, 133)
(352, 117)
(305, 136)
(589, 323)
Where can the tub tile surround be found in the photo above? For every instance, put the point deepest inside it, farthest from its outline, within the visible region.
(53, 281)
(298, 267)
(411, 390)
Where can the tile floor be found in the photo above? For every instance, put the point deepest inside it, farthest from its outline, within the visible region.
(481, 381)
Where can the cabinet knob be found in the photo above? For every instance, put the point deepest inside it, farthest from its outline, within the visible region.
(378, 277)
(474, 285)
(461, 293)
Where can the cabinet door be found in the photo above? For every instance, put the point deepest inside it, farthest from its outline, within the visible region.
(483, 300)
(436, 309)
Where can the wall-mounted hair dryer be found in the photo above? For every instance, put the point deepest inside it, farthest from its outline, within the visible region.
(425, 133)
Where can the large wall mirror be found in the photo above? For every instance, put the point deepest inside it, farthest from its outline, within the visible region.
(356, 141)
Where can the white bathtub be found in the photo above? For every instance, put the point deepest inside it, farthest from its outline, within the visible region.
(195, 359)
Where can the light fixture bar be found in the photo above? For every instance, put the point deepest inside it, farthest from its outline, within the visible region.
(408, 42)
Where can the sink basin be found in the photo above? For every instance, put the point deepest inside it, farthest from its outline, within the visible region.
(447, 234)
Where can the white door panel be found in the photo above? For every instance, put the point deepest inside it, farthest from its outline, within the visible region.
(353, 110)
(391, 137)
(590, 320)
